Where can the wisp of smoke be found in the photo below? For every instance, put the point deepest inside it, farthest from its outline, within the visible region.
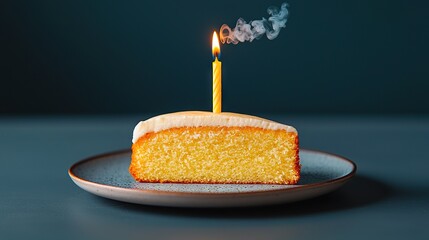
(244, 31)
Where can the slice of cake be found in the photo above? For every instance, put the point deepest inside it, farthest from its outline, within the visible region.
(205, 147)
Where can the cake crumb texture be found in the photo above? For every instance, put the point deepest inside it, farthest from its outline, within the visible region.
(217, 155)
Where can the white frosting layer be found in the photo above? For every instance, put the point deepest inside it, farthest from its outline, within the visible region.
(198, 119)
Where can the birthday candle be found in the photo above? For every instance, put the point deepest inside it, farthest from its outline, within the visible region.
(217, 75)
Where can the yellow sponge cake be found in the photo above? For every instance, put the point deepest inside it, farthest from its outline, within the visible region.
(206, 147)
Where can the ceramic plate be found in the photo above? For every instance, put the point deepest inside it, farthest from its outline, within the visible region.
(107, 176)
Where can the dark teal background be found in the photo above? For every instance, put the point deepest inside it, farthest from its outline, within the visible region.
(353, 57)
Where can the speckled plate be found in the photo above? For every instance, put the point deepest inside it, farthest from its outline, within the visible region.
(107, 176)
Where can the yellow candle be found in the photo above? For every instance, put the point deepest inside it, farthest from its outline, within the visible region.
(217, 76)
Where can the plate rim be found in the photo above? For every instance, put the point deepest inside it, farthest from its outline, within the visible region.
(338, 180)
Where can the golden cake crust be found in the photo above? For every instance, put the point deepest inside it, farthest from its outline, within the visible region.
(204, 119)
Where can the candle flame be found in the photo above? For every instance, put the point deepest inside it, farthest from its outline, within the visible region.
(215, 45)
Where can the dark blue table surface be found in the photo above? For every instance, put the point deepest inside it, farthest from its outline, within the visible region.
(387, 199)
